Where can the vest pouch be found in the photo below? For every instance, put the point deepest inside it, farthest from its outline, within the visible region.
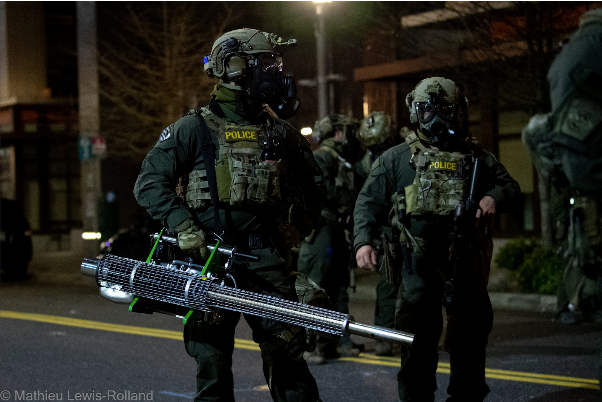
(256, 184)
(238, 190)
(222, 174)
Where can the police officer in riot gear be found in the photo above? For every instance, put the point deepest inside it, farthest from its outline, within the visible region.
(375, 135)
(420, 186)
(234, 170)
(324, 256)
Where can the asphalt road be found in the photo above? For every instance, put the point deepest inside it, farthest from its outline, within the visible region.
(60, 339)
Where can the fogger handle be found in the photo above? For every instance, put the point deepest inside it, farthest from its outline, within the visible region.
(229, 251)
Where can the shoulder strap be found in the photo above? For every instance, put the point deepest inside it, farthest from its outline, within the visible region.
(209, 161)
(414, 143)
(211, 119)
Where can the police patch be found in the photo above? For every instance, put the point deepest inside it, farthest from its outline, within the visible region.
(165, 134)
(240, 135)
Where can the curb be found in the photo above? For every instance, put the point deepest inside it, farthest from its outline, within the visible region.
(500, 301)
(523, 302)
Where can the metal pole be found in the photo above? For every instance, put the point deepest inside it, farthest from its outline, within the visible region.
(321, 63)
(89, 117)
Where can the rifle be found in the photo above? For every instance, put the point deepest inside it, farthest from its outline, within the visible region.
(463, 234)
(178, 288)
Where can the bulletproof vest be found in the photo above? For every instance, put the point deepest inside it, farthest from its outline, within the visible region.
(243, 177)
(439, 183)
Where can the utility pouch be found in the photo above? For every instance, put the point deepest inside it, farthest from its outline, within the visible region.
(389, 262)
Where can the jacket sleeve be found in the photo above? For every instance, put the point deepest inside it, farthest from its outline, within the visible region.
(506, 191)
(372, 205)
(155, 187)
(310, 180)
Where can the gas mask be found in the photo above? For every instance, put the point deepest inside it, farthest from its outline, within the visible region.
(269, 85)
(439, 121)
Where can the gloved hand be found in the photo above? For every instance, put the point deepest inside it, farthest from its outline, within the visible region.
(192, 239)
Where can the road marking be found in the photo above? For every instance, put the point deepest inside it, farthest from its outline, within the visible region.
(443, 368)
(103, 326)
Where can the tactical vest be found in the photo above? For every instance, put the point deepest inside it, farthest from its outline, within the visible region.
(439, 183)
(243, 178)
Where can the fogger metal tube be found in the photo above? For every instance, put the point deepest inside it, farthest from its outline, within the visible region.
(380, 333)
(192, 291)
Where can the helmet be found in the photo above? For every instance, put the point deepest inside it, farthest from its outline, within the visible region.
(236, 50)
(245, 60)
(438, 107)
(324, 128)
(375, 128)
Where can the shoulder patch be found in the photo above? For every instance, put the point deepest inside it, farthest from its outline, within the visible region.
(581, 118)
(165, 134)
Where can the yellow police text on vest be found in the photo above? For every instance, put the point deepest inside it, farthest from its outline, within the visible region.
(443, 165)
(241, 135)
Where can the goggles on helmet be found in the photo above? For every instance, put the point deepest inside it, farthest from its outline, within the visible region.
(426, 111)
(270, 63)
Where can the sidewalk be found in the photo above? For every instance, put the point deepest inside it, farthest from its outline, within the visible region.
(366, 291)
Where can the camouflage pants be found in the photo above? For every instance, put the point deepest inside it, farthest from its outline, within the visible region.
(419, 310)
(212, 345)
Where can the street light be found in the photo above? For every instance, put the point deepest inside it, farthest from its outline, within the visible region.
(306, 131)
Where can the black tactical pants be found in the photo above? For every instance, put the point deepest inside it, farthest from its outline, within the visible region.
(419, 310)
(386, 299)
(285, 371)
(325, 261)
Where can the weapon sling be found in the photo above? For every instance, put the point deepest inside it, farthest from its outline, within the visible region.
(209, 161)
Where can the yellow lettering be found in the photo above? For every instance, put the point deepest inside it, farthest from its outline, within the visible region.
(240, 135)
(443, 165)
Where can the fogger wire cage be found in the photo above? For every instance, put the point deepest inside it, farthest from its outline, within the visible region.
(190, 290)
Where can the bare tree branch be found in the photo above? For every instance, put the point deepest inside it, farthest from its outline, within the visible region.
(151, 67)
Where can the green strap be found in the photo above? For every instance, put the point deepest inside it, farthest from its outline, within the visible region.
(150, 256)
(212, 261)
